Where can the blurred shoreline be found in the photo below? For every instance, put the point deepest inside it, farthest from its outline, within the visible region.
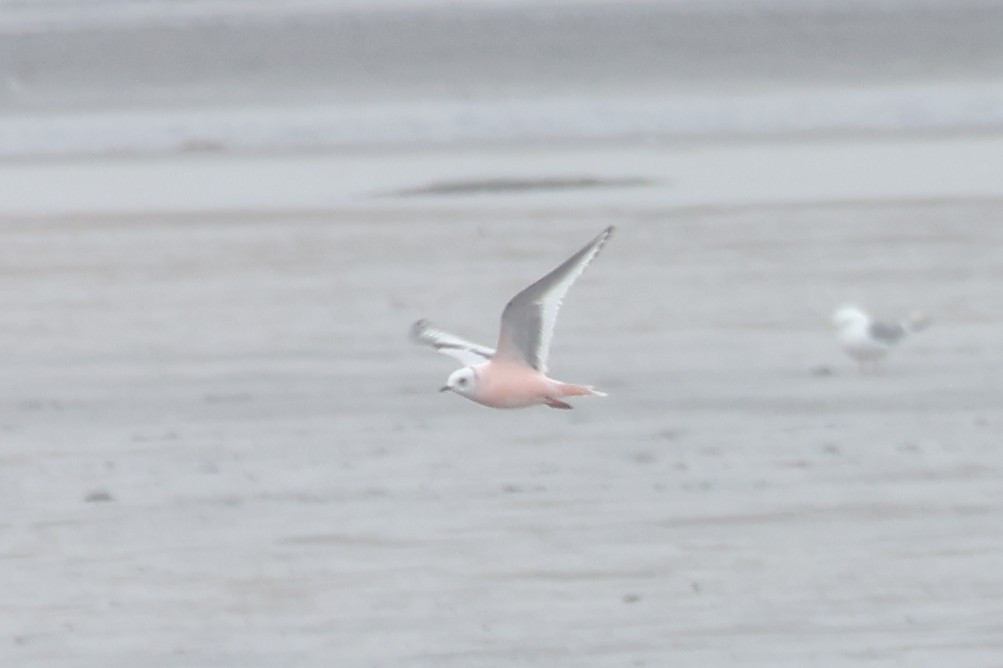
(330, 76)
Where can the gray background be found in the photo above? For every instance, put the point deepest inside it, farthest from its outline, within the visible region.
(217, 446)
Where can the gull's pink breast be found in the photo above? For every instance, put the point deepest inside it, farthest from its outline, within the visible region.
(511, 385)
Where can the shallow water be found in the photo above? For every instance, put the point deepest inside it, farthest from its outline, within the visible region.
(158, 77)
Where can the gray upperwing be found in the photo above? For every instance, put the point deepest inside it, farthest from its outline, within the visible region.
(886, 332)
(527, 323)
(466, 352)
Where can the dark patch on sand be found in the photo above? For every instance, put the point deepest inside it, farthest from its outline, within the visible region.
(520, 185)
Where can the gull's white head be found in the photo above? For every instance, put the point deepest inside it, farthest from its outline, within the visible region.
(462, 381)
(847, 317)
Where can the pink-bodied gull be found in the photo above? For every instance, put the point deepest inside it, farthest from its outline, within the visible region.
(514, 375)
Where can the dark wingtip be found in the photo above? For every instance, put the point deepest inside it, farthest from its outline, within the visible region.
(417, 328)
(605, 235)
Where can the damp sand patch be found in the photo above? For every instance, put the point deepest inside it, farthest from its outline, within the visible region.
(501, 186)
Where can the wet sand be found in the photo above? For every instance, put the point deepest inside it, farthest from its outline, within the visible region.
(248, 52)
(220, 449)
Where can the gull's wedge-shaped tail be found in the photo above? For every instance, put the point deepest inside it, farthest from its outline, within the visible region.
(514, 375)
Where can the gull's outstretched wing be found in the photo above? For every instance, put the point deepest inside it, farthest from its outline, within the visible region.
(527, 323)
(468, 353)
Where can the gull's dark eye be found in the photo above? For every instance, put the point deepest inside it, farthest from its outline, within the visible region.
(462, 381)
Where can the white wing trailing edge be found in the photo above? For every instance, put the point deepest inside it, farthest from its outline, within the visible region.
(527, 323)
(467, 352)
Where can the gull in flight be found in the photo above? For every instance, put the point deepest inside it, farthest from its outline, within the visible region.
(514, 375)
(867, 340)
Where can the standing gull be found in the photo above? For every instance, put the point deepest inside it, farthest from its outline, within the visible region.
(515, 374)
(867, 340)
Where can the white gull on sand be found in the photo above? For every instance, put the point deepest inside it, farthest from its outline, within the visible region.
(867, 340)
(514, 375)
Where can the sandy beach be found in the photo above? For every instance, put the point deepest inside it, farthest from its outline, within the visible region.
(218, 446)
